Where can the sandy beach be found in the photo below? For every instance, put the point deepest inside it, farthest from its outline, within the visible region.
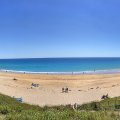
(82, 88)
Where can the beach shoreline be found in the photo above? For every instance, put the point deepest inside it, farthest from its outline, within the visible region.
(83, 88)
(107, 71)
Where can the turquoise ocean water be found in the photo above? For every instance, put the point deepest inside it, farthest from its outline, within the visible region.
(69, 65)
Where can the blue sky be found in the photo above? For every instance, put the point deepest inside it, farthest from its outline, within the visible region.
(59, 28)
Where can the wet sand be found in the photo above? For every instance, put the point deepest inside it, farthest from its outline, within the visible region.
(82, 88)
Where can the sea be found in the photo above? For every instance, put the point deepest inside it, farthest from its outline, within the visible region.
(61, 65)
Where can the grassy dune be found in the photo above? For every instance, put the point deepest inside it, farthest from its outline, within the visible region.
(108, 109)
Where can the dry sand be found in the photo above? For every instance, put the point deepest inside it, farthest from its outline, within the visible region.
(83, 88)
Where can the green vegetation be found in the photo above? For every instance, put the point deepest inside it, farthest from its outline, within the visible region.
(108, 109)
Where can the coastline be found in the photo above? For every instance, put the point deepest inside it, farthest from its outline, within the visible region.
(107, 71)
(82, 88)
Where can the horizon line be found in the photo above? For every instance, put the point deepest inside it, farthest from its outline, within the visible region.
(54, 57)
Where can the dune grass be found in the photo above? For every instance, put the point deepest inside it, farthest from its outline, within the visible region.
(108, 109)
